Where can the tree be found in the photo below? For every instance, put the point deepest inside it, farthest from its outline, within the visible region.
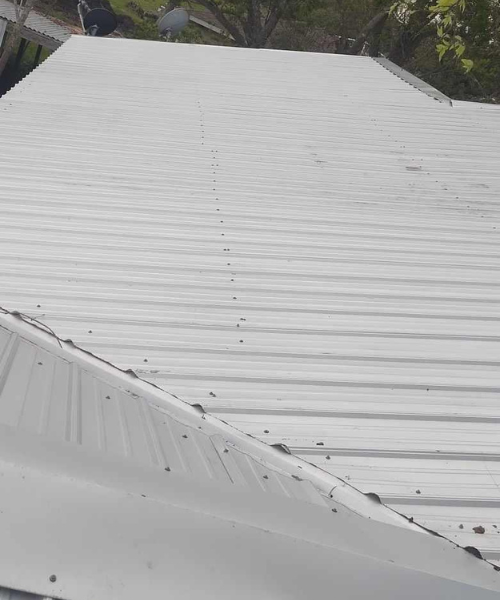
(445, 16)
(372, 30)
(412, 34)
(252, 22)
(473, 36)
(23, 9)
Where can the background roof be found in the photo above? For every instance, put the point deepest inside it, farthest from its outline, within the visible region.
(36, 22)
(304, 244)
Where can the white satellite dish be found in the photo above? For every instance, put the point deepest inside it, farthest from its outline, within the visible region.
(173, 22)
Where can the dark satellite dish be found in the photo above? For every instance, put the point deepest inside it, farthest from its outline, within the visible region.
(173, 22)
(96, 20)
(101, 20)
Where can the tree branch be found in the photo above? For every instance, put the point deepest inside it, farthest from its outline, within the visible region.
(377, 22)
(254, 16)
(224, 21)
(408, 43)
(273, 17)
(375, 36)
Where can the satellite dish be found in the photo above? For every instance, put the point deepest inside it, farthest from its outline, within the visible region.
(173, 22)
(96, 21)
(101, 21)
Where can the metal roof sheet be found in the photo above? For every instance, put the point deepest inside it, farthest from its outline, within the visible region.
(9, 594)
(306, 245)
(139, 528)
(50, 388)
(200, 497)
(36, 22)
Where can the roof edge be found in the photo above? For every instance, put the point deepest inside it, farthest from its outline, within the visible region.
(414, 81)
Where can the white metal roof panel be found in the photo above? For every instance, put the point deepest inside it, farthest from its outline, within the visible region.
(304, 244)
(46, 390)
(9, 594)
(138, 527)
(202, 498)
(50, 388)
(36, 22)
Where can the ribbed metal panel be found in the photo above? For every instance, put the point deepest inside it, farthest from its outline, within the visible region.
(46, 393)
(304, 244)
(36, 22)
(8, 594)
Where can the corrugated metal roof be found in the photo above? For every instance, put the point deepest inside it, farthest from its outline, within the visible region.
(157, 485)
(9, 594)
(101, 527)
(36, 22)
(48, 387)
(51, 393)
(304, 244)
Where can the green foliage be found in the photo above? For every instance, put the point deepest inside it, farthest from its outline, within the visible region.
(479, 32)
(145, 30)
(448, 14)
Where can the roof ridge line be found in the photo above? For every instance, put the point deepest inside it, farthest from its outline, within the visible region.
(412, 80)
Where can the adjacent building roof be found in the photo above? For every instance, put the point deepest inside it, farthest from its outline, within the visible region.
(38, 27)
(304, 244)
(154, 490)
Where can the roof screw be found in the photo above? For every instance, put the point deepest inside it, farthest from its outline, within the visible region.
(53, 578)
